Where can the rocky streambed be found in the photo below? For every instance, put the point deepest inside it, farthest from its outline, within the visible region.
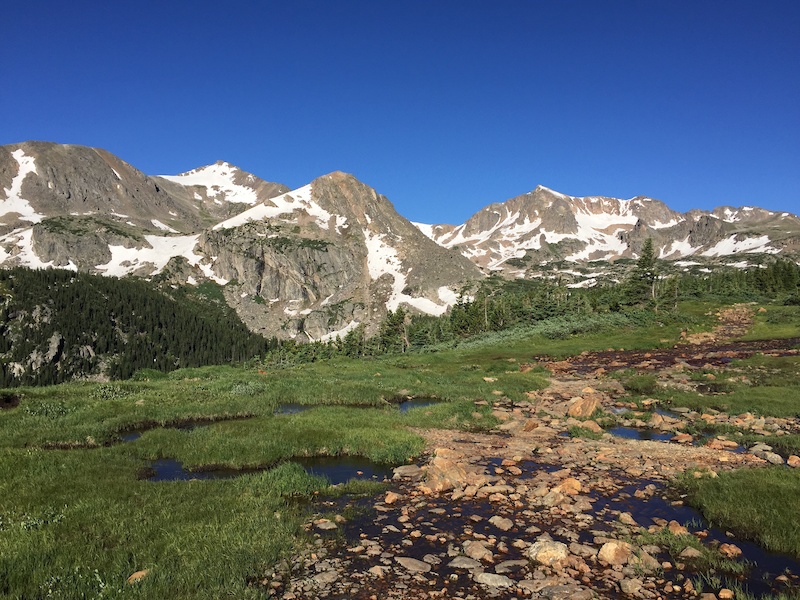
(526, 511)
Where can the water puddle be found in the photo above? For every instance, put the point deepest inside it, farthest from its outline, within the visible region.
(131, 435)
(439, 518)
(635, 433)
(339, 469)
(169, 469)
(292, 408)
(407, 405)
(336, 469)
(8, 400)
(134, 433)
(765, 566)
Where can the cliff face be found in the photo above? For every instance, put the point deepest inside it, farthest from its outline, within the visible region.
(336, 255)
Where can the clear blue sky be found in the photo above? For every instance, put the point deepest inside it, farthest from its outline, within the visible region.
(443, 106)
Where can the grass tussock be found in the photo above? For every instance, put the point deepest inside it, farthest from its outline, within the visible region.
(757, 504)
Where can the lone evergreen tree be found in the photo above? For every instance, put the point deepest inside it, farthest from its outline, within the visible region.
(642, 283)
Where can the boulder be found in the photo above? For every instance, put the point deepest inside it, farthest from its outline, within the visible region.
(501, 522)
(547, 552)
(412, 564)
(492, 580)
(582, 406)
(615, 552)
(477, 550)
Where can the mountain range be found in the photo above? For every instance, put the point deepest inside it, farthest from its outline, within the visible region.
(316, 262)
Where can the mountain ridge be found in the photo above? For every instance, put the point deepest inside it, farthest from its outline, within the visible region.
(332, 255)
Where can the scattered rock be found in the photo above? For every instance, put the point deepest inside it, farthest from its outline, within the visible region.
(630, 587)
(501, 522)
(464, 562)
(690, 553)
(492, 580)
(582, 406)
(477, 550)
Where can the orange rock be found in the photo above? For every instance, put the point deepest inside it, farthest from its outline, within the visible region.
(138, 576)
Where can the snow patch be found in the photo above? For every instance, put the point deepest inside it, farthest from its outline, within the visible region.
(299, 199)
(733, 246)
(127, 260)
(162, 226)
(218, 179)
(383, 259)
(25, 256)
(426, 229)
(678, 249)
(670, 223)
(339, 333)
(14, 202)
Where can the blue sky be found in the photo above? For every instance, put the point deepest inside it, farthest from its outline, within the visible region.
(443, 106)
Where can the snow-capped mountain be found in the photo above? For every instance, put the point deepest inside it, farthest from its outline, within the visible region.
(543, 226)
(311, 263)
(318, 261)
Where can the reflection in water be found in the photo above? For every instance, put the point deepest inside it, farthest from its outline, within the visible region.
(337, 469)
(292, 408)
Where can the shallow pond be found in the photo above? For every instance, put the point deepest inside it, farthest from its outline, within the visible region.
(339, 469)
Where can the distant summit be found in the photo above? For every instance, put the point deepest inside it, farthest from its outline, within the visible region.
(545, 226)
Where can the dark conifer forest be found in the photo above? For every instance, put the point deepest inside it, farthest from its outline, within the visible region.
(58, 325)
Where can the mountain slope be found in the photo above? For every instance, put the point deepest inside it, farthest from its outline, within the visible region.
(544, 225)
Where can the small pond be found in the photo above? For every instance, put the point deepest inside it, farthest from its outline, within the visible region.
(131, 435)
(169, 469)
(339, 469)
